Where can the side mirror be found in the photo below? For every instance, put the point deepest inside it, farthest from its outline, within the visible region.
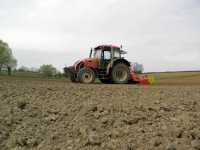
(123, 52)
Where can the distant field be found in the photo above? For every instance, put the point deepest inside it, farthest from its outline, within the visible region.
(28, 75)
(22, 74)
(161, 78)
(173, 78)
(169, 75)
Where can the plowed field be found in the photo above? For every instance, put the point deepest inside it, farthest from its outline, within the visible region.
(59, 115)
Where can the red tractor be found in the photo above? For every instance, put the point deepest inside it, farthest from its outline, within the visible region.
(106, 63)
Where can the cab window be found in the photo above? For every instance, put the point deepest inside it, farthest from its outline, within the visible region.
(107, 55)
(97, 54)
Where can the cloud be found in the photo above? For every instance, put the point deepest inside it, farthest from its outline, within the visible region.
(156, 33)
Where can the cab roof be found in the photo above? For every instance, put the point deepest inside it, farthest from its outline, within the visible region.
(106, 46)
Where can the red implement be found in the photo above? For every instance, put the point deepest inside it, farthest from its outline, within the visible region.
(141, 79)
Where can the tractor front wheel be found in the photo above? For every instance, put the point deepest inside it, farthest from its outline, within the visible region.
(120, 73)
(86, 75)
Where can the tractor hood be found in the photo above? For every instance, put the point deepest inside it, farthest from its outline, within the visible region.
(87, 62)
(83, 60)
(88, 59)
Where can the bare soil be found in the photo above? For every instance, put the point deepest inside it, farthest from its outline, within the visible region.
(59, 115)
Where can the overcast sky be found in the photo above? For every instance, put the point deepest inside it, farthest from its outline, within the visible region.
(162, 34)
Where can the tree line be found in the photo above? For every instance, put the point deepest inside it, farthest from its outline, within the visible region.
(8, 62)
(46, 70)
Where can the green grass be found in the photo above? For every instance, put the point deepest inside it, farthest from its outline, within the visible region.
(158, 76)
(30, 75)
(174, 75)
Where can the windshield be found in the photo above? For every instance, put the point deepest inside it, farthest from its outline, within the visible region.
(97, 54)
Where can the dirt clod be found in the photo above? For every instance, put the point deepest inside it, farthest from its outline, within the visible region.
(157, 142)
(196, 144)
(93, 138)
(171, 146)
(21, 104)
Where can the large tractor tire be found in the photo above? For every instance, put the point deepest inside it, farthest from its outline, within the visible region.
(86, 75)
(120, 73)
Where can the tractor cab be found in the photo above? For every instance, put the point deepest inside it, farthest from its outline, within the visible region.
(105, 54)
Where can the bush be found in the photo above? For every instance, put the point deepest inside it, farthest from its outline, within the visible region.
(23, 69)
(48, 70)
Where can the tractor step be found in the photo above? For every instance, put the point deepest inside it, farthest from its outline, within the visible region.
(102, 73)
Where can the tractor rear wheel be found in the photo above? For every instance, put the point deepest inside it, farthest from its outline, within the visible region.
(120, 73)
(86, 75)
